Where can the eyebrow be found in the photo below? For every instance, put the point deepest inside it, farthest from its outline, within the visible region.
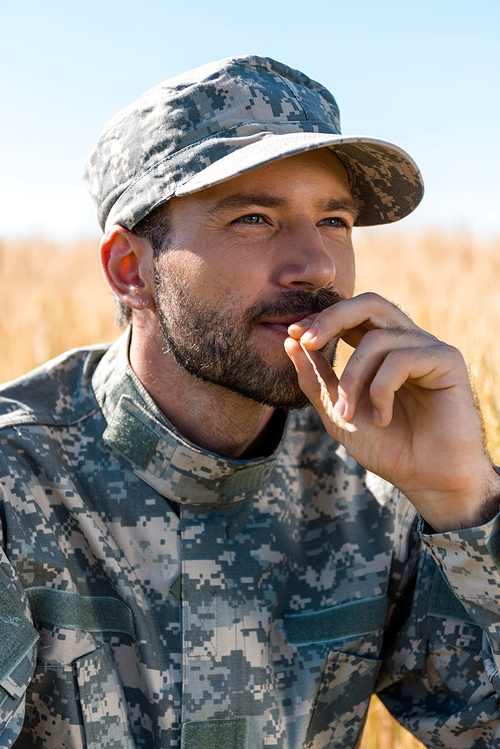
(242, 200)
(350, 205)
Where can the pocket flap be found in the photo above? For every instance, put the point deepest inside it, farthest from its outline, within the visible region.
(92, 613)
(346, 620)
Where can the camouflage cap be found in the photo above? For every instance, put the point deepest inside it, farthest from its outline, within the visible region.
(224, 119)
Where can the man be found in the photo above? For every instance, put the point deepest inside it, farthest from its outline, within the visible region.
(206, 561)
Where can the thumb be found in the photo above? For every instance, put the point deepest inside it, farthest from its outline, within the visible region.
(319, 382)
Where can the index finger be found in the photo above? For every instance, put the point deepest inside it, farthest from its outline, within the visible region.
(350, 319)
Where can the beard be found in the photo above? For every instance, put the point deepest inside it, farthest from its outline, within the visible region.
(216, 345)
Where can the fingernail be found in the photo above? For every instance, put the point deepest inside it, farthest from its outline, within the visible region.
(340, 406)
(309, 334)
(300, 324)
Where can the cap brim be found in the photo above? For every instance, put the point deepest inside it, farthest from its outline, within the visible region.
(383, 177)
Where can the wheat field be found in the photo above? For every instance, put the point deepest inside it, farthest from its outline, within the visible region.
(54, 298)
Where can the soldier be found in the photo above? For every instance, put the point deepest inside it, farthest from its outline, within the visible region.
(193, 556)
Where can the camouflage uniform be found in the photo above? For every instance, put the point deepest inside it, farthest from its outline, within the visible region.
(180, 599)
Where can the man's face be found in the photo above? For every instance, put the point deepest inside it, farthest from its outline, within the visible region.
(245, 259)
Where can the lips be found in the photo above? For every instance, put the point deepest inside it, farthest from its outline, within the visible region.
(280, 325)
(278, 328)
(290, 308)
(288, 320)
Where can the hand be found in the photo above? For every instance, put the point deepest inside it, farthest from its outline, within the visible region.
(409, 397)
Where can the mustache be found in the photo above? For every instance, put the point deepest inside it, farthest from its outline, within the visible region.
(294, 303)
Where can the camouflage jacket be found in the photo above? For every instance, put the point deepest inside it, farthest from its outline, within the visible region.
(156, 595)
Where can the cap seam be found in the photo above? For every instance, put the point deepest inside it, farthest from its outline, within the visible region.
(306, 81)
(295, 96)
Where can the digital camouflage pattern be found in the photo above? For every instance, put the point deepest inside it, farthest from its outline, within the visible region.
(183, 600)
(223, 119)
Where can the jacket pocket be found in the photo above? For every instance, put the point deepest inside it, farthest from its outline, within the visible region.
(342, 702)
(346, 635)
(17, 657)
(78, 705)
(76, 697)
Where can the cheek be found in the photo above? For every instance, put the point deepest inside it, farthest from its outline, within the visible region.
(202, 283)
(345, 274)
(182, 268)
(233, 273)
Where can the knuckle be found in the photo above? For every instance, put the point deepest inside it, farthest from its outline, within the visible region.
(377, 337)
(379, 302)
(453, 352)
(373, 301)
(397, 356)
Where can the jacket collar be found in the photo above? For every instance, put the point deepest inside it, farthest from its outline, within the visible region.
(141, 438)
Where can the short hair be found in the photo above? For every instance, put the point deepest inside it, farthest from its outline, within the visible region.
(155, 229)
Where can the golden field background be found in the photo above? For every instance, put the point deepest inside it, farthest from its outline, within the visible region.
(53, 298)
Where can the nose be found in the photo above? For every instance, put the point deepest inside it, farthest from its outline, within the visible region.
(306, 260)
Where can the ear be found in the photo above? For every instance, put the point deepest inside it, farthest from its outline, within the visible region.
(127, 264)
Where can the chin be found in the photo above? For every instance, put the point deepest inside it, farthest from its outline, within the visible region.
(273, 391)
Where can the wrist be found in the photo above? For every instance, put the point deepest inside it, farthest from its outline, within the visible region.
(458, 510)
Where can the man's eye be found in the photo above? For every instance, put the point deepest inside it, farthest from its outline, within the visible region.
(335, 222)
(251, 218)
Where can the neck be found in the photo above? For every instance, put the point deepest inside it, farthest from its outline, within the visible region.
(210, 416)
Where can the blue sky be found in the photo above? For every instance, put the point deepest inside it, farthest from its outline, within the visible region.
(424, 75)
